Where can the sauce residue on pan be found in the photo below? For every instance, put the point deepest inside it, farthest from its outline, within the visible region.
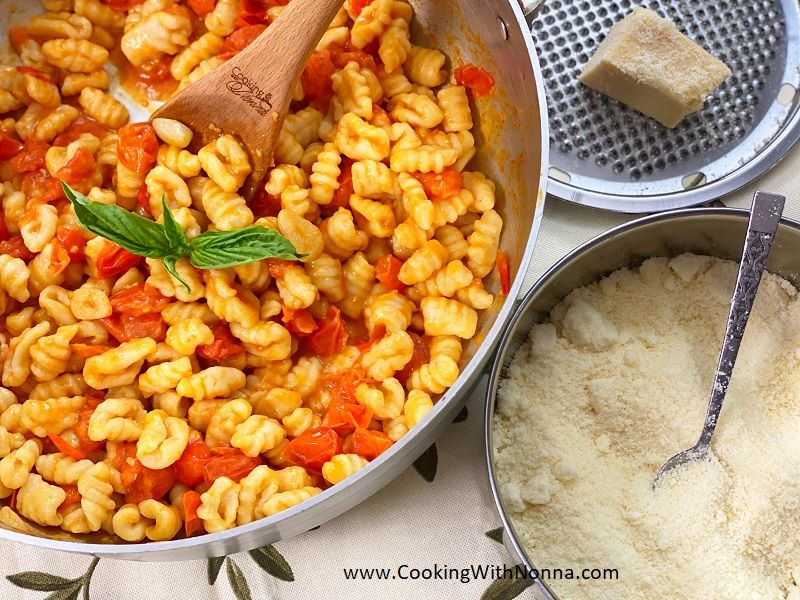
(150, 82)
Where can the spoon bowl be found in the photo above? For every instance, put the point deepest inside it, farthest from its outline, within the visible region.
(699, 451)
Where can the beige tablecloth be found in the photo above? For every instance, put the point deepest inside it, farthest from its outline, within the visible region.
(410, 522)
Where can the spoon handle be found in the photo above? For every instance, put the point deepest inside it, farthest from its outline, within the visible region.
(764, 218)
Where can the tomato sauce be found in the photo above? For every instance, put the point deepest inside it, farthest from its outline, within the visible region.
(152, 81)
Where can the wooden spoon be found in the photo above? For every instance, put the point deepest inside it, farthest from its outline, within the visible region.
(249, 95)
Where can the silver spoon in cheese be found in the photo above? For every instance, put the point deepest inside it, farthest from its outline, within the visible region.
(765, 215)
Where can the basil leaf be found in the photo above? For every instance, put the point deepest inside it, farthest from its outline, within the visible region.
(211, 250)
(173, 230)
(134, 233)
(169, 265)
(223, 249)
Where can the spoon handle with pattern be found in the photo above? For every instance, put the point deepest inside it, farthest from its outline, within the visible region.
(765, 216)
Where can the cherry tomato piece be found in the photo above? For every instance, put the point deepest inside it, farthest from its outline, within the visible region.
(74, 242)
(476, 79)
(504, 271)
(16, 248)
(18, 36)
(113, 325)
(88, 350)
(40, 185)
(344, 388)
(59, 257)
(330, 336)
(83, 124)
(372, 48)
(124, 454)
(73, 497)
(265, 204)
(313, 449)
(254, 12)
(299, 322)
(277, 267)
(122, 5)
(138, 300)
(140, 482)
(143, 199)
(114, 260)
(358, 5)
(246, 19)
(341, 55)
(224, 345)
(64, 447)
(31, 157)
(387, 270)
(262, 5)
(201, 7)
(148, 483)
(377, 334)
(126, 327)
(87, 444)
(441, 185)
(138, 146)
(421, 356)
(341, 199)
(189, 467)
(77, 168)
(344, 418)
(239, 40)
(9, 147)
(369, 444)
(316, 79)
(225, 451)
(233, 464)
(191, 522)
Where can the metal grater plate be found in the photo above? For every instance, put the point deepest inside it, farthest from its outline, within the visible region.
(606, 155)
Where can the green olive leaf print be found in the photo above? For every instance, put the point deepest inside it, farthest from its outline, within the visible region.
(214, 565)
(271, 561)
(507, 589)
(40, 582)
(496, 535)
(462, 416)
(61, 587)
(238, 582)
(66, 594)
(267, 558)
(427, 464)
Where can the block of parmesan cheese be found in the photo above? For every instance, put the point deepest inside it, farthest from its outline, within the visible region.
(648, 64)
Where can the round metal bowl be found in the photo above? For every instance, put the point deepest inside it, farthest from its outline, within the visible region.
(511, 127)
(716, 232)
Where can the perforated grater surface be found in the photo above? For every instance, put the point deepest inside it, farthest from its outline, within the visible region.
(606, 155)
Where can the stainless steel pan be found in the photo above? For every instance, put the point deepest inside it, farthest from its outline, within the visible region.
(511, 132)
